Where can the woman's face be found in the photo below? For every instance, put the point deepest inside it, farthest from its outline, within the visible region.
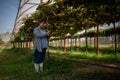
(42, 25)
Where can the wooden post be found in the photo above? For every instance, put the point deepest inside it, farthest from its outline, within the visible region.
(64, 42)
(26, 47)
(86, 40)
(115, 38)
(94, 38)
(26, 43)
(71, 44)
(76, 44)
(97, 49)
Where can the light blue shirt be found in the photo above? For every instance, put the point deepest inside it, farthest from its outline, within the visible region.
(44, 39)
(37, 40)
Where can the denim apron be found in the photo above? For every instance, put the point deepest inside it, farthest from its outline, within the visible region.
(39, 56)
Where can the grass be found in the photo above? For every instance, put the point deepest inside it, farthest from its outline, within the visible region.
(105, 54)
(111, 58)
(91, 49)
(16, 66)
(0, 50)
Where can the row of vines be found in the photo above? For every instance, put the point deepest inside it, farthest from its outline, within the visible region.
(72, 16)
